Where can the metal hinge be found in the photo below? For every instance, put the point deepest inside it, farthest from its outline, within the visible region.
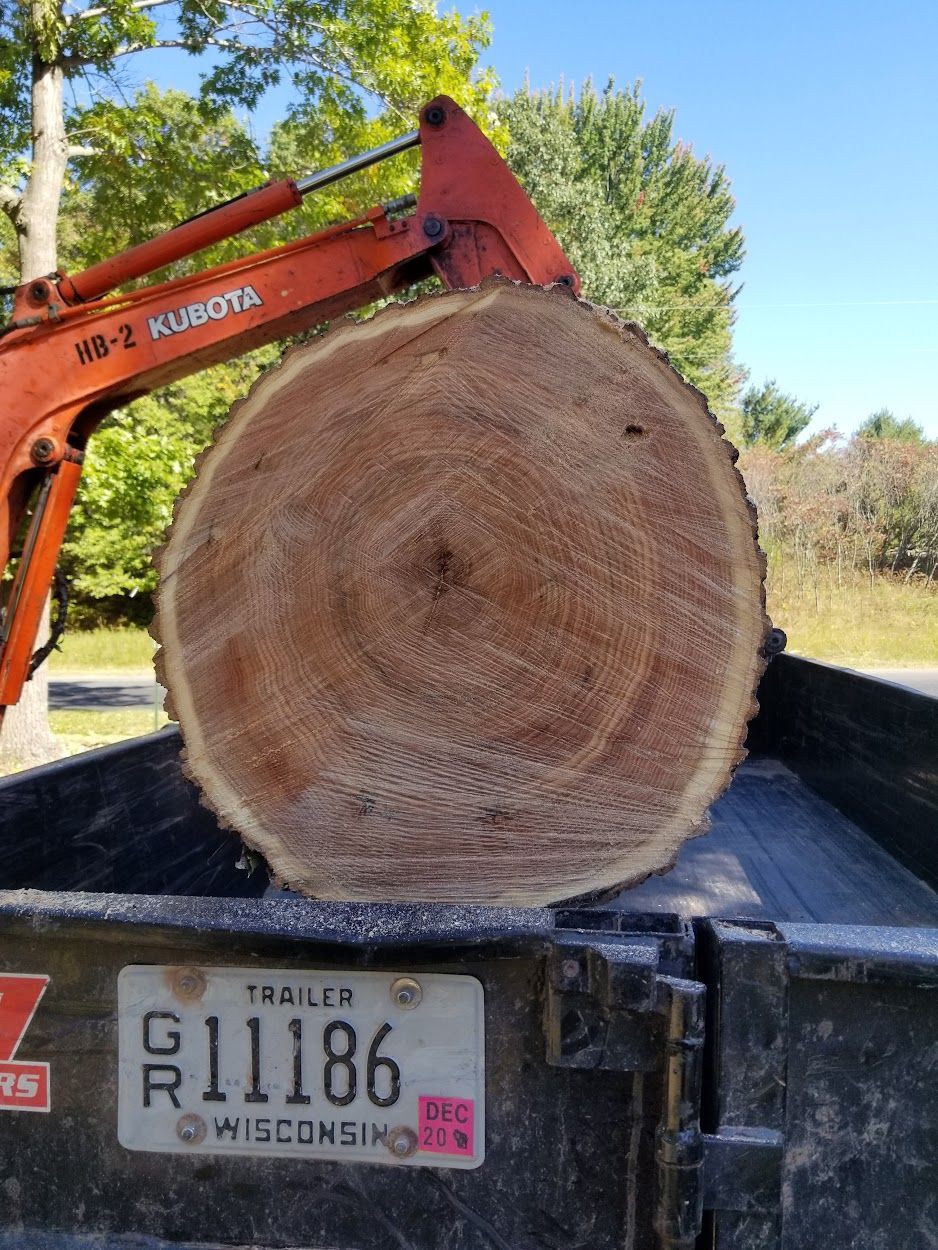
(610, 1006)
(742, 1170)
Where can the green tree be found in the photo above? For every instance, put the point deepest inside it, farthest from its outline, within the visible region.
(137, 464)
(885, 424)
(770, 418)
(161, 160)
(341, 57)
(66, 125)
(644, 220)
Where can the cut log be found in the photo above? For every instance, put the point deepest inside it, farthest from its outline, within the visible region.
(465, 605)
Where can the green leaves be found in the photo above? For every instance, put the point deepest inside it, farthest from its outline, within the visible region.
(93, 35)
(392, 54)
(884, 424)
(47, 26)
(154, 162)
(643, 219)
(770, 418)
(344, 59)
(15, 82)
(841, 508)
(136, 465)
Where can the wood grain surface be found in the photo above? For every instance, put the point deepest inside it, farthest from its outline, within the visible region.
(465, 604)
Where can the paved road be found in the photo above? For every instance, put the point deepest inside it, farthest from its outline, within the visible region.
(68, 693)
(924, 679)
(110, 692)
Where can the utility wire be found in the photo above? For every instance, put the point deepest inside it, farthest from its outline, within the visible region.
(856, 303)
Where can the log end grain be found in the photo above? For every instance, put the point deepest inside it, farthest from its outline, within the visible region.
(465, 604)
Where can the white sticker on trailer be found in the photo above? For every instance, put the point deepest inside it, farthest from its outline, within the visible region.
(380, 1067)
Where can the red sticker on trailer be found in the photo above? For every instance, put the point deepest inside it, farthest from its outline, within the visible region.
(446, 1126)
(24, 1086)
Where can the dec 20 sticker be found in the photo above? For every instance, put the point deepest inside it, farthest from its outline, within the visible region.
(446, 1126)
(24, 1086)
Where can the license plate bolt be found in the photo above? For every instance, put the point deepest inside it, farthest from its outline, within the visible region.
(402, 1142)
(191, 1129)
(406, 993)
(188, 983)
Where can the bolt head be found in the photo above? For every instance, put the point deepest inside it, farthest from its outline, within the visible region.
(42, 450)
(188, 983)
(402, 1142)
(406, 993)
(435, 116)
(776, 642)
(570, 968)
(433, 227)
(191, 1129)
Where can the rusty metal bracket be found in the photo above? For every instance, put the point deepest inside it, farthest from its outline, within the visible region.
(602, 990)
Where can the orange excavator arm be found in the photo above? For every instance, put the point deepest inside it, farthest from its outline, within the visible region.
(72, 353)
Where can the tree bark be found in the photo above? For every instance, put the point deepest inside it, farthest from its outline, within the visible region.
(38, 216)
(465, 605)
(26, 737)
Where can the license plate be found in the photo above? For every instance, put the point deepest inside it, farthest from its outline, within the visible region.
(382, 1067)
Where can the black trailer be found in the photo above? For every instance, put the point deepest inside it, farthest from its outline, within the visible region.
(740, 1054)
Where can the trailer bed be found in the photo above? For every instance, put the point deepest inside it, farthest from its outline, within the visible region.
(777, 851)
(742, 1046)
(833, 819)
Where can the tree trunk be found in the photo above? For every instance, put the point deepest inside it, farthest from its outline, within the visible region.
(26, 738)
(38, 217)
(465, 605)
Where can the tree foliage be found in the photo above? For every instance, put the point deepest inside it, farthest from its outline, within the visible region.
(884, 424)
(771, 418)
(644, 220)
(340, 57)
(841, 507)
(151, 164)
(358, 71)
(137, 464)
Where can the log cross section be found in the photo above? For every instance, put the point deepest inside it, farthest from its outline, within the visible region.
(465, 604)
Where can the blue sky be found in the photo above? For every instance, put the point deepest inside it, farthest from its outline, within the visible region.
(825, 115)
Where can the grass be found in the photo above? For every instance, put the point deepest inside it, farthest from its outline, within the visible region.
(890, 625)
(125, 650)
(80, 730)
